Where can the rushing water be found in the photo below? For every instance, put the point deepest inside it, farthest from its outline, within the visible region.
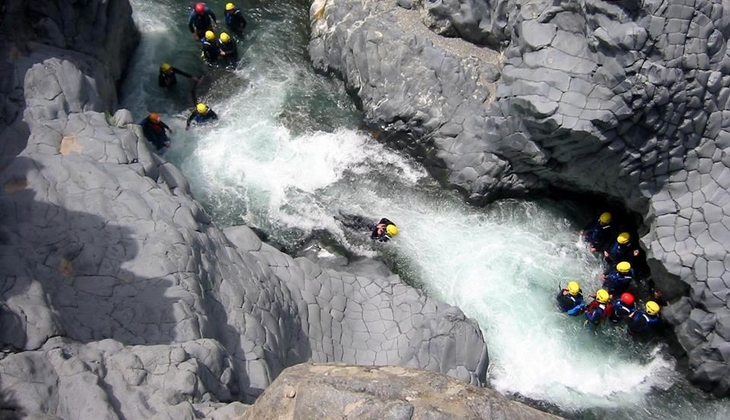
(286, 157)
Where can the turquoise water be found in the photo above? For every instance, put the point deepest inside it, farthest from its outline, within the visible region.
(287, 156)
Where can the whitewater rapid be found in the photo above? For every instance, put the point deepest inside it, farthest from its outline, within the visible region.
(287, 157)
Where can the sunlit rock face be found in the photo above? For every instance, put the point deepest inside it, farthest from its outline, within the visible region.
(120, 298)
(624, 99)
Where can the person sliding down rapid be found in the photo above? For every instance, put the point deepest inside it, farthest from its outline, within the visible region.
(167, 78)
(598, 310)
(384, 230)
(234, 19)
(622, 307)
(570, 299)
(596, 233)
(201, 20)
(201, 115)
(154, 130)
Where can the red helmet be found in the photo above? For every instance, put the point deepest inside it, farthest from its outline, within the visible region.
(199, 8)
(627, 299)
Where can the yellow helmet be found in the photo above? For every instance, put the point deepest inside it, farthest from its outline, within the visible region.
(155, 117)
(623, 267)
(623, 238)
(224, 37)
(602, 296)
(391, 230)
(652, 308)
(573, 288)
(605, 218)
(210, 35)
(201, 108)
(230, 6)
(165, 67)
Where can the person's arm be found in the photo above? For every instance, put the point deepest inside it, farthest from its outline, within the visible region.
(143, 123)
(165, 127)
(182, 73)
(213, 115)
(212, 16)
(190, 119)
(191, 26)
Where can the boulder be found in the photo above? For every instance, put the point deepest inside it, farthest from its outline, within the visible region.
(309, 391)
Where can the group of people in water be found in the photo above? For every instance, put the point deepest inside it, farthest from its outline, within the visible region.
(202, 24)
(614, 301)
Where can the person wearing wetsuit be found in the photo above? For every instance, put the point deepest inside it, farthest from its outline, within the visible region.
(644, 319)
(622, 307)
(570, 299)
(202, 19)
(234, 19)
(618, 279)
(200, 115)
(167, 77)
(598, 232)
(154, 130)
(227, 48)
(208, 43)
(384, 230)
(621, 250)
(598, 310)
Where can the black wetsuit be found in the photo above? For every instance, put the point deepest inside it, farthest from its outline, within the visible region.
(155, 132)
(198, 118)
(228, 50)
(199, 23)
(380, 234)
(168, 79)
(210, 50)
(235, 21)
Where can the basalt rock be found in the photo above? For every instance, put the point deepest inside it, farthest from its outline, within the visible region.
(319, 391)
(628, 100)
(120, 298)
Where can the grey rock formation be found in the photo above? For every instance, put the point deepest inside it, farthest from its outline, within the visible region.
(319, 391)
(120, 298)
(621, 98)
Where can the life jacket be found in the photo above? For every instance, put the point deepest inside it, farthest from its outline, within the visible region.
(210, 49)
(592, 314)
(620, 311)
(616, 282)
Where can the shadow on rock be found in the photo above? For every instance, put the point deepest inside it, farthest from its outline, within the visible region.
(64, 270)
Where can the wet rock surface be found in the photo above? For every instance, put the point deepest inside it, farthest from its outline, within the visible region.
(120, 298)
(621, 98)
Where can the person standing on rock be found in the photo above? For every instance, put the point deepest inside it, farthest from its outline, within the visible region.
(234, 19)
(154, 130)
(200, 115)
(201, 19)
(167, 77)
(596, 233)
